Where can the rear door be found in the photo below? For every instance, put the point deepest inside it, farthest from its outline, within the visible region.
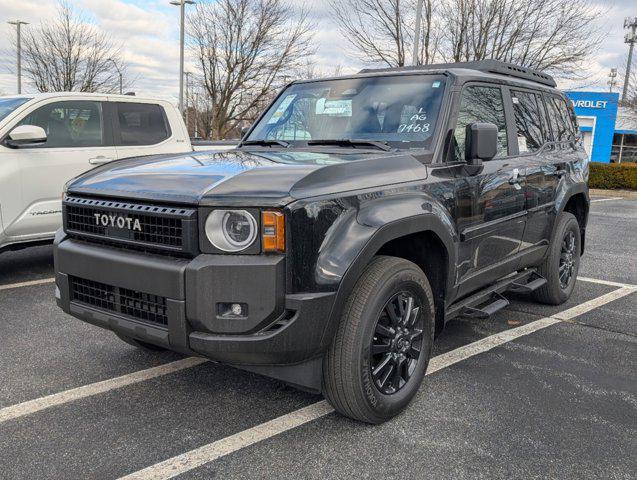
(77, 140)
(556, 159)
(532, 134)
(490, 205)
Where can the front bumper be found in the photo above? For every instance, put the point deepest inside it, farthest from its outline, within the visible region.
(278, 329)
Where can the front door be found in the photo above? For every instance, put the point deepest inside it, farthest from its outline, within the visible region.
(76, 142)
(490, 205)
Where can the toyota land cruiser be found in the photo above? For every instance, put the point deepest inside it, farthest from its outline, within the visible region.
(356, 217)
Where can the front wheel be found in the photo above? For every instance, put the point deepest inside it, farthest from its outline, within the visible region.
(561, 265)
(381, 350)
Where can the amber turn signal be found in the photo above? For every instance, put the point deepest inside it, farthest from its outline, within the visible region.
(273, 233)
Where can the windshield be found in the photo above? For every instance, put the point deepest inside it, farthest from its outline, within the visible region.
(399, 110)
(8, 105)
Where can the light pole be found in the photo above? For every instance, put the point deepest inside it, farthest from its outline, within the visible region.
(612, 79)
(119, 72)
(187, 74)
(18, 24)
(415, 57)
(182, 20)
(630, 39)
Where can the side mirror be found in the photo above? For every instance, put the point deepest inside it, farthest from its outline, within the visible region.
(481, 143)
(24, 135)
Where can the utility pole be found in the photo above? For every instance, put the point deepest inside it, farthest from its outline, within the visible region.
(18, 24)
(416, 57)
(121, 77)
(182, 20)
(630, 39)
(612, 82)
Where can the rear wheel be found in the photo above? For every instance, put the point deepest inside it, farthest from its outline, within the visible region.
(140, 344)
(380, 352)
(561, 265)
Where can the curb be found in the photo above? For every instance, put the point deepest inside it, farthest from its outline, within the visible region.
(597, 192)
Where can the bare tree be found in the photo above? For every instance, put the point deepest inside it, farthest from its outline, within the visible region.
(382, 31)
(244, 48)
(550, 35)
(68, 54)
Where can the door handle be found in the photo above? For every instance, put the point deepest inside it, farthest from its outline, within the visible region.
(99, 160)
(515, 177)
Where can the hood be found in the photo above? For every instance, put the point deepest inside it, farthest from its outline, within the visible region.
(239, 177)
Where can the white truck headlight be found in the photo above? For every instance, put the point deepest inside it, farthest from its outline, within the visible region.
(231, 230)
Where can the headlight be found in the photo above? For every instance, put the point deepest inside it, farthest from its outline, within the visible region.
(231, 230)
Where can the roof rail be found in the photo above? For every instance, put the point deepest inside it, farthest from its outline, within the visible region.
(490, 66)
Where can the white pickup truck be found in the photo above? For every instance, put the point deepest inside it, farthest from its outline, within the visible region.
(47, 139)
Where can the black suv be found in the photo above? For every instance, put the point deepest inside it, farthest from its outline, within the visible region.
(356, 217)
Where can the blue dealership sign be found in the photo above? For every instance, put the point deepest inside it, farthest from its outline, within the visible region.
(596, 113)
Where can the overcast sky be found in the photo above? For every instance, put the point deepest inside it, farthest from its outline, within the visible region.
(149, 31)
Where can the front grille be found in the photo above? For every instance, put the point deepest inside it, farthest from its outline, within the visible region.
(147, 227)
(131, 303)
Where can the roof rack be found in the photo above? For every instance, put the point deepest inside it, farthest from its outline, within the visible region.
(490, 66)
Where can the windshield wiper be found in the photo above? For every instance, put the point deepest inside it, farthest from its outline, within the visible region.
(266, 143)
(352, 142)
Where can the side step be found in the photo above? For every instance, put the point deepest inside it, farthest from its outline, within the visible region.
(529, 287)
(483, 304)
(497, 302)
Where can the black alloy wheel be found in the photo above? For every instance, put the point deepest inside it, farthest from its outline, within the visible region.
(567, 259)
(396, 343)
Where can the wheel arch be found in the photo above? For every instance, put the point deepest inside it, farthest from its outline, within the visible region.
(576, 202)
(400, 238)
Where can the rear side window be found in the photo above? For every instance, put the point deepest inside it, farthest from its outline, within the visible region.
(480, 104)
(528, 121)
(140, 124)
(560, 118)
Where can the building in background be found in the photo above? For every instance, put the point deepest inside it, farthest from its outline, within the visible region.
(596, 114)
(609, 131)
(625, 138)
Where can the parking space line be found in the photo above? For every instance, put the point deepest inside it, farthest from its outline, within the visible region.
(605, 199)
(198, 457)
(32, 406)
(43, 281)
(27, 284)
(605, 282)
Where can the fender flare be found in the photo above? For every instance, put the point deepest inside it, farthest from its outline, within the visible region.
(399, 228)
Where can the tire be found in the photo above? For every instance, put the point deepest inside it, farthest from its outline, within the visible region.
(349, 381)
(556, 291)
(140, 344)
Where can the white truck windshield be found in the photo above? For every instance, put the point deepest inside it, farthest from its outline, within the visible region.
(8, 105)
(399, 110)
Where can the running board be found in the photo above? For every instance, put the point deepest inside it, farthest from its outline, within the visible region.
(497, 302)
(529, 287)
(486, 302)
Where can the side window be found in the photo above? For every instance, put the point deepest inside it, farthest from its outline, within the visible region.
(528, 121)
(560, 118)
(140, 124)
(69, 124)
(569, 115)
(480, 104)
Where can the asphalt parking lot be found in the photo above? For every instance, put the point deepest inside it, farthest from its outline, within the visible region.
(534, 392)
